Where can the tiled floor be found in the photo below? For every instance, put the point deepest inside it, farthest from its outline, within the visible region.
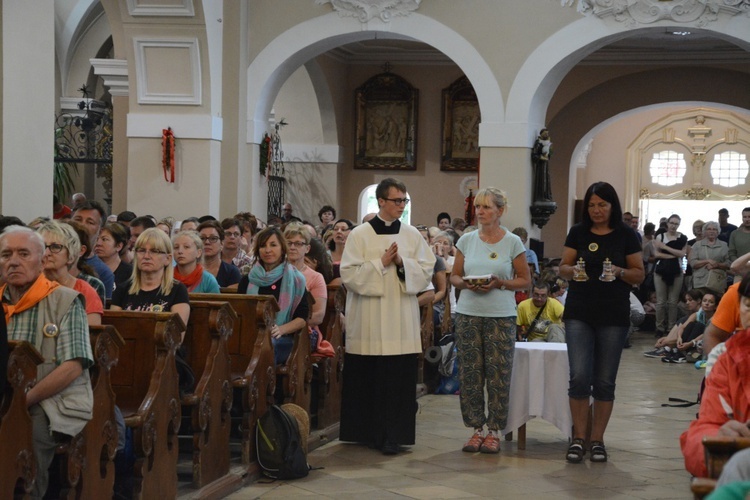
(642, 440)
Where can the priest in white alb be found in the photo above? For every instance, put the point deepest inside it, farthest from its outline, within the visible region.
(384, 266)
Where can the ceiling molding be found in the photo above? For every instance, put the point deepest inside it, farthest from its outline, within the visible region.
(137, 8)
(114, 72)
(644, 12)
(366, 10)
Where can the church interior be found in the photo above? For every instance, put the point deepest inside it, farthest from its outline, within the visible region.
(313, 102)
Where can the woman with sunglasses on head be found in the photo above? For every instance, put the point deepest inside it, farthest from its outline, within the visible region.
(341, 230)
(62, 249)
(273, 275)
(152, 286)
(212, 235)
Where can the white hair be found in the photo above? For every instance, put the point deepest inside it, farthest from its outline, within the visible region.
(34, 236)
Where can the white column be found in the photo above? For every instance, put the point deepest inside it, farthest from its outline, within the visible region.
(28, 95)
(115, 75)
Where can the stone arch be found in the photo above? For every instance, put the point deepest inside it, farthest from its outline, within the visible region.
(325, 102)
(87, 23)
(545, 68)
(295, 47)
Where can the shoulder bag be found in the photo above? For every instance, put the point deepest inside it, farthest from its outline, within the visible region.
(717, 278)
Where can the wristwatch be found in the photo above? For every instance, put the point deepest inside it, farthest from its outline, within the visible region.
(503, 287)
(622, 272)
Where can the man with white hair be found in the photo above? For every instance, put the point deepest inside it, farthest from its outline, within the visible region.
(53, 319)
(77, 200)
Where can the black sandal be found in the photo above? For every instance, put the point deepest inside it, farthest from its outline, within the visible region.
(598, 452)
(575, 451)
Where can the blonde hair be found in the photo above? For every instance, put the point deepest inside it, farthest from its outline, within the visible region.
(193, 236)
(157, 240)
(66, 236)
(167, 221)
(493, 195)
(297, 229)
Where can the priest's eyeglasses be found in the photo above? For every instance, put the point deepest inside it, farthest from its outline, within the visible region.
(398, 201)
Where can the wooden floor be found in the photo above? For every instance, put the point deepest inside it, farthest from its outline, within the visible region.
(642, 439)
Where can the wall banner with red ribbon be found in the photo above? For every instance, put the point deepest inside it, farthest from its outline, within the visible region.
(167, 151)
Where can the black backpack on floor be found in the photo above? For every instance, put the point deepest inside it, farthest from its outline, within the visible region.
(279, 447)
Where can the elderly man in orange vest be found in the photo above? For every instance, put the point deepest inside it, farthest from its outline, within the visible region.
(53, 319)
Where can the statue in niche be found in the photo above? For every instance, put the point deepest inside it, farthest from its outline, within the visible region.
(540, 155)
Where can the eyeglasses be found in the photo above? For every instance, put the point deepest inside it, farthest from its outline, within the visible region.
(231, 234)
(398, 201)
(54, 247)
(210, 239)
(149, 251)
(297, 244)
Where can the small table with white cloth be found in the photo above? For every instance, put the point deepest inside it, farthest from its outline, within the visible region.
(539, 388)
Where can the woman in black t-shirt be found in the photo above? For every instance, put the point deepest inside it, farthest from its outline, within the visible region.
(597, 311)
(670, 247)
(153, 287)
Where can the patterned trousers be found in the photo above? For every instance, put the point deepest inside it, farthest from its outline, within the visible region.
(485, 348)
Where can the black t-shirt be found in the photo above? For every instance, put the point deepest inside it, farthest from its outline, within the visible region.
(596, 302)
(228, 274)
(123, 273)
(725, 232)
(152, 300)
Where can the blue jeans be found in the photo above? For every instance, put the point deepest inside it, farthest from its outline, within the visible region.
(282, 348)
(594, 357)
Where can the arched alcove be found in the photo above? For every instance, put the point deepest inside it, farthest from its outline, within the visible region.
(303, 42)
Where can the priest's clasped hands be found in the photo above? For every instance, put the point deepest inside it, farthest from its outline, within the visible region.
(391, 256)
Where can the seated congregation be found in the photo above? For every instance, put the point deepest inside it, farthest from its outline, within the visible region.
(188, 332)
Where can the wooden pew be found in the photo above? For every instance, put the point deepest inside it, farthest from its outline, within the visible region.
(331, 369)
(16, 441)
(296, 373)
(719, 450)
(427, 332)
(702, 487)
(251, 359)
(87, 469)
(205, 343)
(146, 388)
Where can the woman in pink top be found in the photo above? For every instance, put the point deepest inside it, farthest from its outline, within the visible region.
(298, 243)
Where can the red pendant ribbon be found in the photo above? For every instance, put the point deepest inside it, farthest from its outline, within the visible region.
(167, 149)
